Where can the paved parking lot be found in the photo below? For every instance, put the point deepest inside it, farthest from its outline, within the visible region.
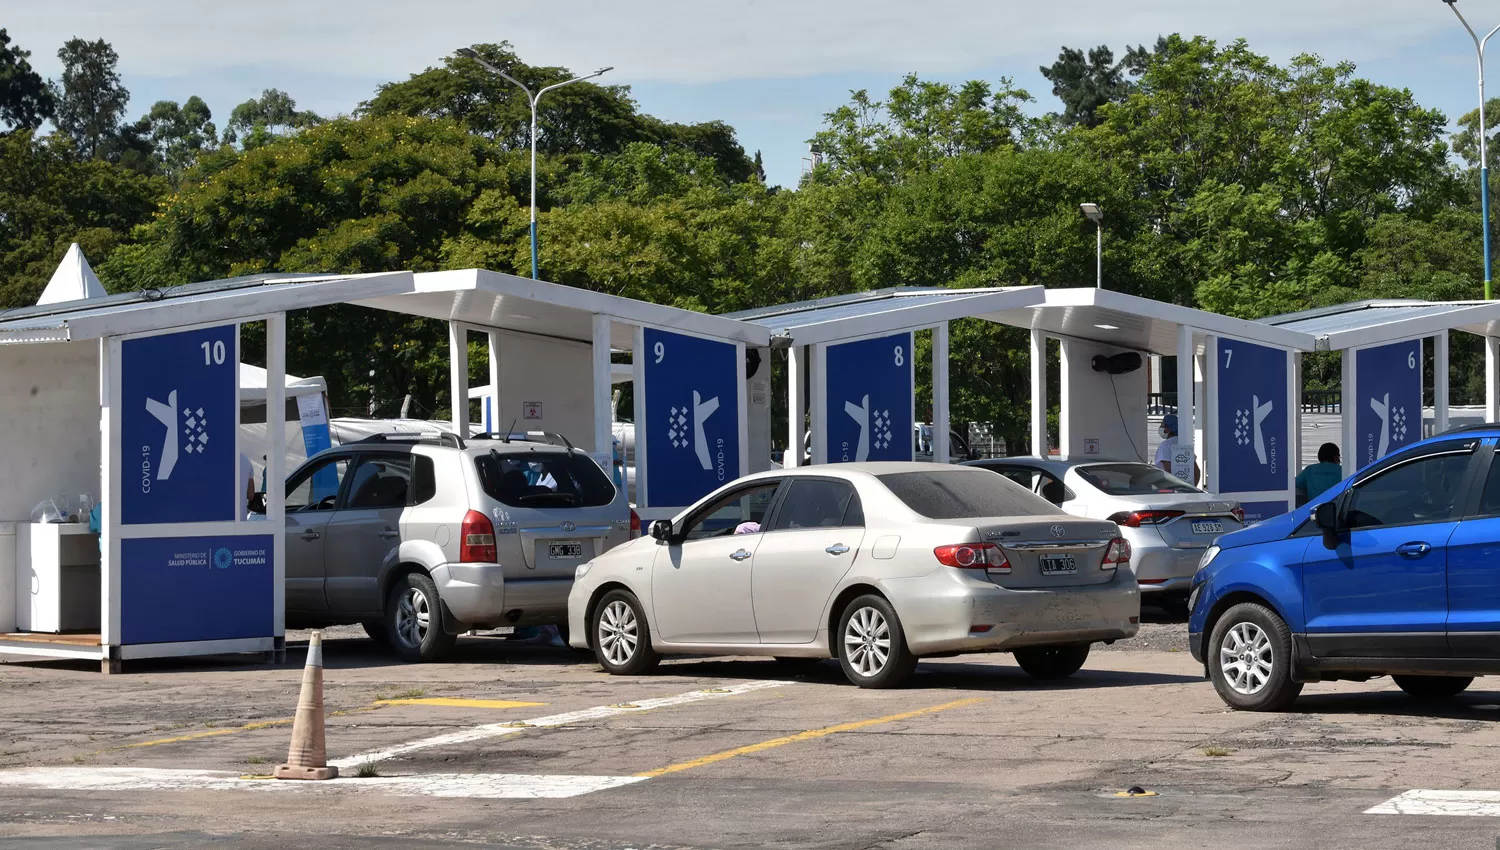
(524, 746)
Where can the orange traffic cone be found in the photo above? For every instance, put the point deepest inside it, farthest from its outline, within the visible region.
(308, 758)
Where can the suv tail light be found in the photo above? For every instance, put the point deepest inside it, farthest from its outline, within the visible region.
(1116, 554)
(476, 542)
(1238, 512)
(1136, 519)
(973, 556)
(635, 524)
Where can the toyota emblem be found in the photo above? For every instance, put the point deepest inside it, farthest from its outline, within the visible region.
(568, 526)
(1058, 531)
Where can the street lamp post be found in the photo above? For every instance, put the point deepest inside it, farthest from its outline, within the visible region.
(1094, 214)
(1484, 159)
(531, 99)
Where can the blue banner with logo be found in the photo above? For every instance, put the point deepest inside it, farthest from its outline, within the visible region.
(178, 426)
(175, 589)
(869, 397)
(1387, 400)
(692, 417)
(1253, 419)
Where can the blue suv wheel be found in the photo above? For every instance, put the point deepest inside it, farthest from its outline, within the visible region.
(1249, 659)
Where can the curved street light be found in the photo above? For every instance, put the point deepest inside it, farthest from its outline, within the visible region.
(531, 99)
(1484, 160)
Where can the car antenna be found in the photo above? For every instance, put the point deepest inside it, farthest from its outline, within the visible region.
(508, 431)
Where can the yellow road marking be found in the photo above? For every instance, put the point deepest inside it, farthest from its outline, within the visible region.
(212, 733)
(809, 735)
(448, 702)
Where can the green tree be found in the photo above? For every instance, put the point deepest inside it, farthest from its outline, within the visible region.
(50, 198)
(576, 119)
(919, 124)
(260, 120)
(25, 100)
(179, 134)
(90, 98)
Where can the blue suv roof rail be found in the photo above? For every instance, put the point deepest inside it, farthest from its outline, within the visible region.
(443, 438)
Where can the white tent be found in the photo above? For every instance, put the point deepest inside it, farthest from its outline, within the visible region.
(74, 280)
(253, 385)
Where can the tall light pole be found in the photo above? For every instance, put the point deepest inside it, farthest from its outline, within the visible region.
(530, 99)
(1094, 214)
(1484, 158)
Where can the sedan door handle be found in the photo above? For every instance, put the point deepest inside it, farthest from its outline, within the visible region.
(310, 535)
(741, 555)
(1413, 550)
(388, 534)
(837, 549)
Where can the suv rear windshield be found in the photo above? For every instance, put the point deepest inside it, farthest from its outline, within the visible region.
(1133, 479)
(953, 494)
(544, 480)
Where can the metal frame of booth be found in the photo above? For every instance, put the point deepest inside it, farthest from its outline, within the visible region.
(111, 323)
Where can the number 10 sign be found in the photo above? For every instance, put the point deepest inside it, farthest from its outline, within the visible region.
(178, 424)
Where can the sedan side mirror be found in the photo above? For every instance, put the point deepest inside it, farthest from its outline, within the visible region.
(1326, 516)
(662, 530)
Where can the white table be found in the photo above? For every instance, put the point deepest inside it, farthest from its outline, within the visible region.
(57, 577)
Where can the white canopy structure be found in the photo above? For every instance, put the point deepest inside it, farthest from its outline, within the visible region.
(74, 280)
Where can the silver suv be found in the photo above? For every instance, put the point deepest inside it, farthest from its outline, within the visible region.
(423, 537)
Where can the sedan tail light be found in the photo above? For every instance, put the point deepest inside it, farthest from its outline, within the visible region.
(1238, 512)
(477, 540)
(973, 556)
(635, 524)
(1136, 519)
(1116, 554)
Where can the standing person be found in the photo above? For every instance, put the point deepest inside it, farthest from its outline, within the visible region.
(1173, 455)
(1315, 479)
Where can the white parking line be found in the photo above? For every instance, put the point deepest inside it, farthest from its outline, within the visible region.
(1423, 802)
(507, 786)
(496, 730)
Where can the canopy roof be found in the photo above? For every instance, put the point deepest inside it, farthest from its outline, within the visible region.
(1129, 321)
(233, 299)
(1376, 322)
(865, 314)
(487, 299)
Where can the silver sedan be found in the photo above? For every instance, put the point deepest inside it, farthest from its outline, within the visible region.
(875, 564)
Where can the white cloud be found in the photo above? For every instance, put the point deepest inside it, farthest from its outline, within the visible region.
(694, 41)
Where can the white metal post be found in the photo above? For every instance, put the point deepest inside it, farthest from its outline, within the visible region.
(112, 461)
(492, 339)
(1294, 436)
(819, 387)
(1440, 383)
(1185, 353)
(742, 396)
(1206, 393)
(796, 405)
(1492, 379)
(458, 376)
(1038, 393)
(940, 417)
(603, 387)
(1349, 414)
(638, 367)
(276, 463)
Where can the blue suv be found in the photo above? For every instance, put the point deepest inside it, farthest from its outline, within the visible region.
(1395, 571)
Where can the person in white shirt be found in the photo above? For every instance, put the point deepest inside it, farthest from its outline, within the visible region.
(1173, 455)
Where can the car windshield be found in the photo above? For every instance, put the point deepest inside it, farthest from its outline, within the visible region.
(1133, 479)
(544, 480)
(957, 494)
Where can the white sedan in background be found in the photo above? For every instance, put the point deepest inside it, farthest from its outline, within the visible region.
(1168, 521)
(876, 564)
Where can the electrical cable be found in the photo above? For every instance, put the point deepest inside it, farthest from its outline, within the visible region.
(1120, 410)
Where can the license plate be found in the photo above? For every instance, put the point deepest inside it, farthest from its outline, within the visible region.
(503, 630)
(565, 551)
(1211, 526)
(1057, 565)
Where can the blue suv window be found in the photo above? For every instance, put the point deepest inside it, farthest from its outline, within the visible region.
(1427, 488)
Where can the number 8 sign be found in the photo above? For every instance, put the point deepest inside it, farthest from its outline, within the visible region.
(868, 400)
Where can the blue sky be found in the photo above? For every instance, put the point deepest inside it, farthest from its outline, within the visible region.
(770, 68)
